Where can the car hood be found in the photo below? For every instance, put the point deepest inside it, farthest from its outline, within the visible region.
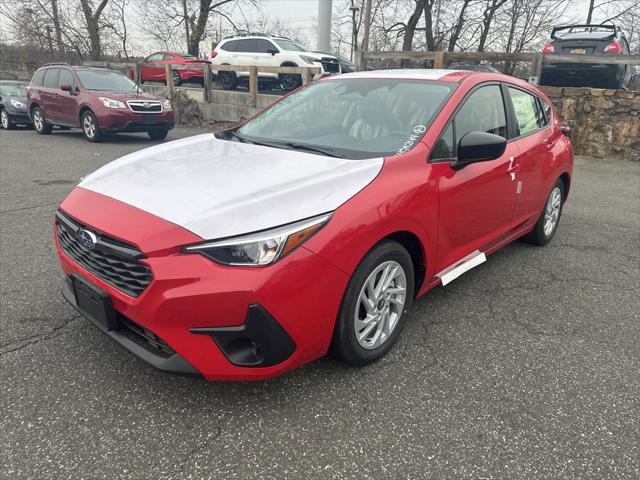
(124, 96)
(318, 56)
(216, 188)
(7, 99)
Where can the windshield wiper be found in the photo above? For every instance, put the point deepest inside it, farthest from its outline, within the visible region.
(329, 152)
(235, 134)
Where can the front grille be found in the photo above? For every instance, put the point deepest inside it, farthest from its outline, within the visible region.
(330, 65)
(145, 338)
(145, 107)
(113, 261)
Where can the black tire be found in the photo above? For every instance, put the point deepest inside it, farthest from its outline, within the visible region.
(40, 124)
(93, 134)
(5, 120)
(344, 344)
(177, 81)
(228, 80)
(290, 81)
(538, 236)
(158, 134)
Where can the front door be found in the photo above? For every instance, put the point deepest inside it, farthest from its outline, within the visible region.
(477, 201)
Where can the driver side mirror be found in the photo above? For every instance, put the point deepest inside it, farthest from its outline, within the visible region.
(479, 147)
(272, 51)
(66, 87)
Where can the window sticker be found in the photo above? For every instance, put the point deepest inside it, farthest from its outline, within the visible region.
(418, 131)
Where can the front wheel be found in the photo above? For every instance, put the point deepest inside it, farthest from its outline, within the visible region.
(39, 122)
(158, 134)
(549, 219)
(5, 121)
(90, 127)
(228, 80)
(375, 305)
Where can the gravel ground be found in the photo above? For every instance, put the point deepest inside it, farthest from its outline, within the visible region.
(526, 367)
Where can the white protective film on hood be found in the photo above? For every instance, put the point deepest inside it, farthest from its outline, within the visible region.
(216, 188)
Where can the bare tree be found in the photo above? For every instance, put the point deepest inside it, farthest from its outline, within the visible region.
(92, 19)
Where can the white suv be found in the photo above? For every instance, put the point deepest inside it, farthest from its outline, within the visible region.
(265, 50)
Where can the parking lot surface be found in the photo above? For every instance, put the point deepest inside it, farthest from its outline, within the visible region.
(526, 367)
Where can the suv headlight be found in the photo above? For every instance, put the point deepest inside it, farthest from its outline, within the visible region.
(18, 104)
(262, 248)
(166, 106)
(309, 60)
(111, 103)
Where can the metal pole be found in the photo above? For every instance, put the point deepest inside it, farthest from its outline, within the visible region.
(324, 24)
(367, 26)
(354, 30)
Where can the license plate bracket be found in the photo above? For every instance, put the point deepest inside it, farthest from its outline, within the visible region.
(94, 303)
(149, 119)
(578, 51)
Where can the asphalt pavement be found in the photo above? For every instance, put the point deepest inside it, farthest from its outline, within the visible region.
(526, 367)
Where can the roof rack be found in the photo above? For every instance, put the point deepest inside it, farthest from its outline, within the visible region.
(246, 33)
(54, 63)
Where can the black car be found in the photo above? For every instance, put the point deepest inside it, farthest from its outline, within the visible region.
(346, 65)
(605, 39)
(13, 104)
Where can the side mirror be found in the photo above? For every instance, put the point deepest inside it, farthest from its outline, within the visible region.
(566, 131)
(272, 51)
(479, 147)
(66, 87)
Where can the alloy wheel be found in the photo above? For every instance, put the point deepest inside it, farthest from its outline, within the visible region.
(4, 118)
(552, 211)
(89, 126)
(38, 121)
(380, 305)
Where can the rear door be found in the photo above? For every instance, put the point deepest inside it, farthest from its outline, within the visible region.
(245, 53)
(477, 201)
(535, 139)
(49, 94)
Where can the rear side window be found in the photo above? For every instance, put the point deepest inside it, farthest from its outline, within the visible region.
(38, 78)
(246, 45)
(51, 78)
(525, 108)
(65, 77)
(482, 111)
(229, 46)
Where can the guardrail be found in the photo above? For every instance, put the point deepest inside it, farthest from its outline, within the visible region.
(440, 59)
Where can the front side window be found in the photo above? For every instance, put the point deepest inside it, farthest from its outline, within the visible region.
(525, 109)
(263, 46)
(65, 77)
(105, 80)
(482, 111)
(352, 118)
(51, 78)
(156, 57)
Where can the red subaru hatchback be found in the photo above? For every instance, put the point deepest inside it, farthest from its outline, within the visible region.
(97, 100)
(314, 224)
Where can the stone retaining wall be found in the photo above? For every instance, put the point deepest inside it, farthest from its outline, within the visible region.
(605, 123)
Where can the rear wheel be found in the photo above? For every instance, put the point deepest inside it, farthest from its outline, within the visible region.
(549, 219)
(90, 127)
(39, 123)
(375, 305)
(5, 121)
(290, 81)
(228, 80)
(177, 81)
(158, 134)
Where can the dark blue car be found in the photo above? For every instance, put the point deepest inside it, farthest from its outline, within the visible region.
(13, 104)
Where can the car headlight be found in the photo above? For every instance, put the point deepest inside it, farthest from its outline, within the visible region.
(262, 248)
(309, 60)
(18, 104)
(111, 103)
(166, 106)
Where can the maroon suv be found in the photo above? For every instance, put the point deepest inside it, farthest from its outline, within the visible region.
(98, 100)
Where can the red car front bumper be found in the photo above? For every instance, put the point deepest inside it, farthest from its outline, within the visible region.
(210, 315)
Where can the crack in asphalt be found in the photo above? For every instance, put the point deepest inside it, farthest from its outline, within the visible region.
(16, 345)
(186, 461)
(29, 208)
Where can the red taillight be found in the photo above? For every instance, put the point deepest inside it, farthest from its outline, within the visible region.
(213, 54)
(548, 48)
(613, 47)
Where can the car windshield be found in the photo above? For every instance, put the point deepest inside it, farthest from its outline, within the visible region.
(290, 45)
(105, 80)
(350, 118)
(13, 89)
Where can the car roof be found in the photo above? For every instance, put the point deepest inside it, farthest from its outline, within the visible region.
(412, 74)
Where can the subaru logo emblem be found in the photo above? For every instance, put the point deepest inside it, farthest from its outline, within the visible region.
(146, 104)
(86, 238)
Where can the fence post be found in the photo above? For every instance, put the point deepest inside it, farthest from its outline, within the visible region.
(253, 86)
(306, 75)
(207, 81)
(170, 87)
(438, 60)
(536, 69)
